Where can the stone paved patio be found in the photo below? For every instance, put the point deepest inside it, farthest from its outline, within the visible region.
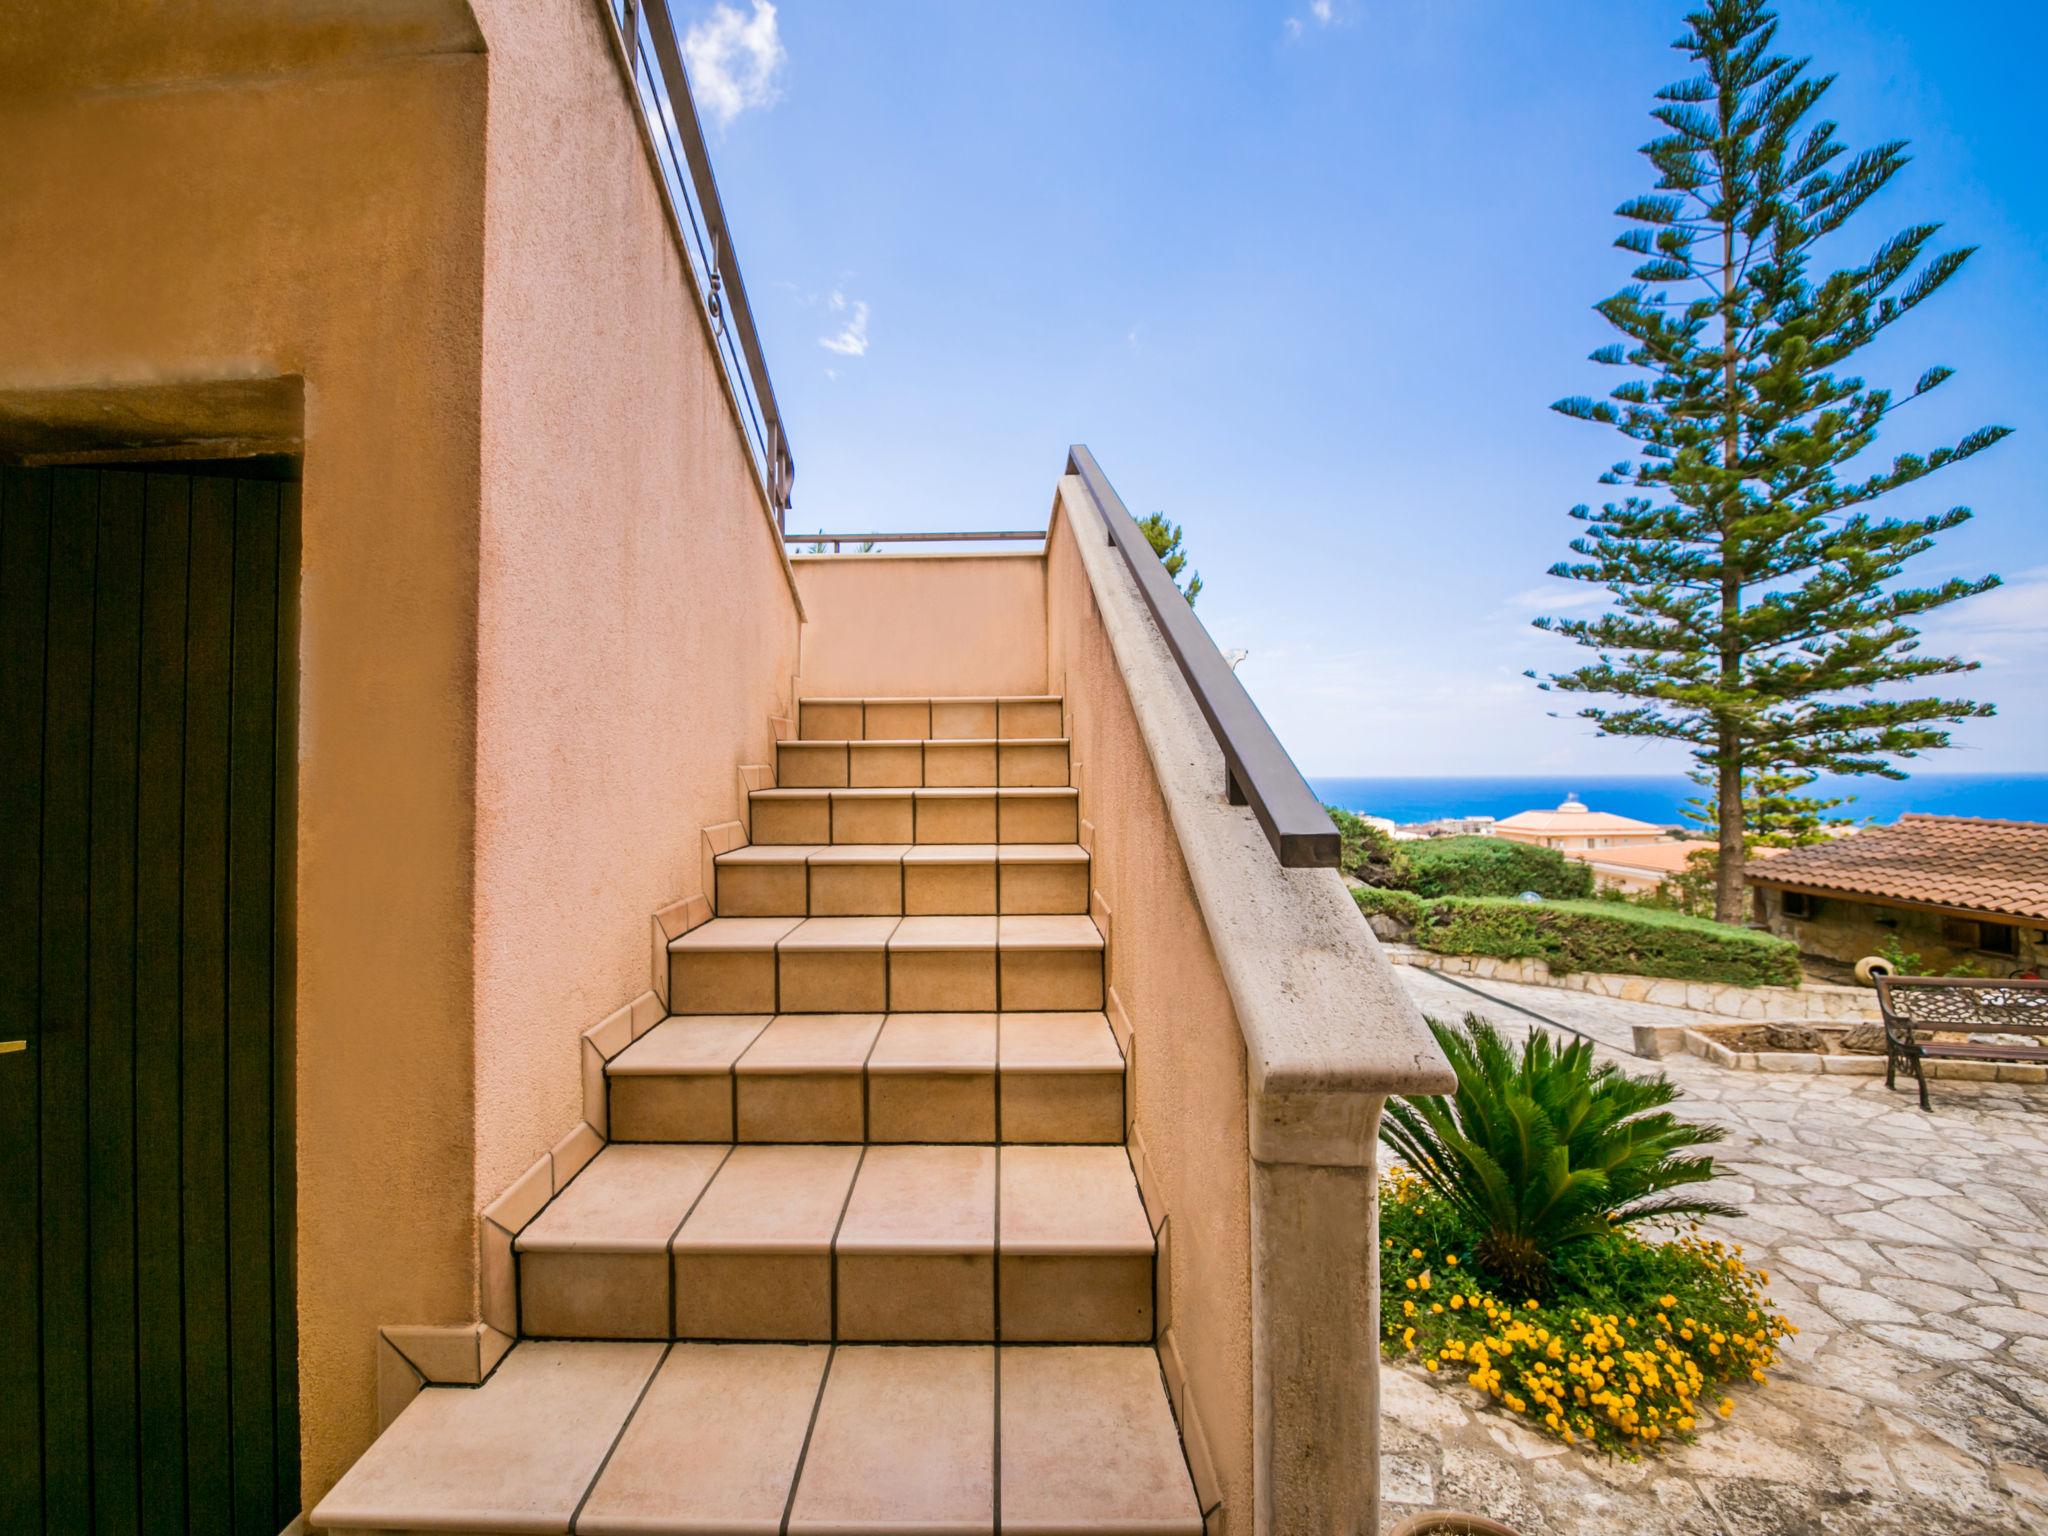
(1911, 1250)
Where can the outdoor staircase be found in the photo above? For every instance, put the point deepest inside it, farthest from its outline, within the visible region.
(865, 1252)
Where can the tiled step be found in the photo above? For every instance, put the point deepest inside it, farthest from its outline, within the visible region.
(1008, 718)
(1025, 964)
(902, 879)
(700, 1438)
(883, 1244)
(1038, 762)
(908, 1077)
(891, 816)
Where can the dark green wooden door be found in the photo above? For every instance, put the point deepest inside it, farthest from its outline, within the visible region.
(148, 1379)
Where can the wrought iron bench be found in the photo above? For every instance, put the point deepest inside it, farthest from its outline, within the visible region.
(1918, 1006)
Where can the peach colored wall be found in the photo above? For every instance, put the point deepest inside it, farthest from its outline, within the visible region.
(329, 227)
(922, 625)
(1187, 1056)
(637, 624)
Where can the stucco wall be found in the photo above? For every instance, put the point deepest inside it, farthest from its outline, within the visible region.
(915, 626)
(1846, 929)
(327, 226)
(637, 625)
(1187, 1081)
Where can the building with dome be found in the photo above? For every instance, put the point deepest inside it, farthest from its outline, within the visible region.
(1574, 827)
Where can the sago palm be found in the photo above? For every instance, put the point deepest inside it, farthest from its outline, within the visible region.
(1540, 1149)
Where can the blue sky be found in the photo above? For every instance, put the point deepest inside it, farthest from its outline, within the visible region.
(1306, 276)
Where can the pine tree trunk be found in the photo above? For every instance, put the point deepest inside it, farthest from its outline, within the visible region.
(1729, 885)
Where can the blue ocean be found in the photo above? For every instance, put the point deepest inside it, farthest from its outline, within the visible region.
(1661, 797)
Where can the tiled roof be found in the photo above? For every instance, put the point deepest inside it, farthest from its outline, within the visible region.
(1665, 858)
(1965, 862)
(1575, 823)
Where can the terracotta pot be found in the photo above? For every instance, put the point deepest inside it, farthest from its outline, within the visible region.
(1451, 1522)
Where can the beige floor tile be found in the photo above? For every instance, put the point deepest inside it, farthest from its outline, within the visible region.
(675, 1082)
(904, 1441)
(714, 1445)
(754, 1261)
(835, 965)
(1074, 1248)
(829, 719)
(1032, 764)
(858, 880)
(763, 880)
(956, 816)
(801, 1080)
(949, 879)
(954, 719)
(1080, 1108)
(916, 1248)
(594, 1264)
(1041, 887)
(810, 765)
(517, 1453)
(960, 764)
(943, 965)
(726, 965)
(931, 1078)
(1088, 1443)
(1049, 963)
(872, 816)
(886, 764)
(789, 816)
(1038, 816)
(1029, 717)
(899, 719)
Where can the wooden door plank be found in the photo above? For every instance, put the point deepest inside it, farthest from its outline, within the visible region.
(64, 1001)
(284, 983)
(203, 1016)
(24, 608)
(110, 1089)
(252, 779)
(159, 824)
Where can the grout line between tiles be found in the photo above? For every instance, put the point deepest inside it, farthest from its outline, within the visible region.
(668, 1249)
(804, 1451)
(612, 1449)
(832, 1249)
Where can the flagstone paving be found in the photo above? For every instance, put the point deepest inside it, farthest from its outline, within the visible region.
(1912, 1251)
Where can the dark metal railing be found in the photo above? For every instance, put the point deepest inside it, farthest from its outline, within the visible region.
(646, 36)
(1256, 769)
(955, 536)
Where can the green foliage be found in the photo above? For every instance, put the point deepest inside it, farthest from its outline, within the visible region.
(1624, 1354)
(1596, 935)
(1494, 866)
(1164, 537)
(1403, 907)
(1774, 812)
(1540, 1150)
(1757, 615)
(1368, 853)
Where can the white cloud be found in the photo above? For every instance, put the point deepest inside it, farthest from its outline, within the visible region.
(2007, 625)
(735, 61)
(1321, 13)
(851, 339)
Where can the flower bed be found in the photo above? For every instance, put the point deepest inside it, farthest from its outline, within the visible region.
(1635, 1342)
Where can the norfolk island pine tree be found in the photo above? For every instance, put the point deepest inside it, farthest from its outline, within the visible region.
(1754, 615)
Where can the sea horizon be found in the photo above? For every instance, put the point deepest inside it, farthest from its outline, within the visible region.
(1661, 797)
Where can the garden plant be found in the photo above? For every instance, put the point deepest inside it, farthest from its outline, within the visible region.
(1521, 1246)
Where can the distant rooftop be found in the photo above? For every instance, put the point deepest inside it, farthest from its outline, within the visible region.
(1575, 818)
(1962, 863)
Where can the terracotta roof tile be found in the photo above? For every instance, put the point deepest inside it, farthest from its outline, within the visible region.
(1970, 863)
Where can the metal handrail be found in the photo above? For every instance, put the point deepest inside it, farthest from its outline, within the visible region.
(1256, 769)
(646, 33)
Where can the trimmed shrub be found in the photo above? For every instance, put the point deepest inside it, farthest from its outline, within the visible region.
(1369, 854)
(1494, 866)
(1601, 936)
(1401, 906)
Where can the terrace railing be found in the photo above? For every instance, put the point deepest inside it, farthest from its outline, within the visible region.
(644, 33)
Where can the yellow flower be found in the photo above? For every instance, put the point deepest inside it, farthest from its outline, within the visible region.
(1667, 1302)
(1414, 1253)
(1725, 1407)
(1451, 1259)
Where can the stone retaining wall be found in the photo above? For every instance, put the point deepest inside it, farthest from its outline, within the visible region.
(1817, 1002)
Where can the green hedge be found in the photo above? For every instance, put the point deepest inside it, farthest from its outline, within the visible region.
(1592, 936)
(1493, 866)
